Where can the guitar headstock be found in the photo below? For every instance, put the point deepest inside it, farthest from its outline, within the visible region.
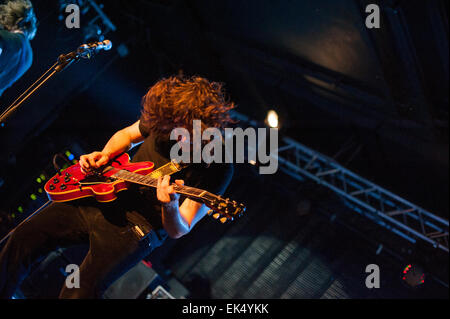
(224, 209)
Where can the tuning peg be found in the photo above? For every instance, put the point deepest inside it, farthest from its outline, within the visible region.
(216, 215)
(223, 220)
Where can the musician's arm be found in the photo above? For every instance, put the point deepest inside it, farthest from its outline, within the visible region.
(123, 140)
(120, 142)
(178, 220)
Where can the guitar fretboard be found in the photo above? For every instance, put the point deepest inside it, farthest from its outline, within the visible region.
(150, 181)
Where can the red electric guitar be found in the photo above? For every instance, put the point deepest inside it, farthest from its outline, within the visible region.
(72, 183)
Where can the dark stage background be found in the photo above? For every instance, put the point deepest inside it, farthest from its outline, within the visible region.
(375, 100)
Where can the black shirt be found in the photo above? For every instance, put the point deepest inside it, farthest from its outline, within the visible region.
(15, 57)
(214, 177)
(142, 205)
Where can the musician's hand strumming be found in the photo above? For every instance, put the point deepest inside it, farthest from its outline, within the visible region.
(93, 160)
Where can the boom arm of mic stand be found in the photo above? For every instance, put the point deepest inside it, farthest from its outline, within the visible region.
(64, 60)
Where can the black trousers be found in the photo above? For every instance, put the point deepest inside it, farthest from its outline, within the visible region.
(114, 247)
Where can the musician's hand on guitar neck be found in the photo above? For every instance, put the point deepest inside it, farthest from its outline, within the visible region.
(92, 161)
(165, 191)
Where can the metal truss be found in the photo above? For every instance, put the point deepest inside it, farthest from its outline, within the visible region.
(381, 206)
(374, 202)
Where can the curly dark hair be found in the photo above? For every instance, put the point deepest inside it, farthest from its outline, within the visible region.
(177, 101)
(18, 15)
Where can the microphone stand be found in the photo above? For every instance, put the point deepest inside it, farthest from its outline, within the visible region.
(64, 60)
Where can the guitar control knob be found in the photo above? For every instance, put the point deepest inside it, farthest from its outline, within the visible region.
(216, 215)
(223, 220)
(55, 180)
(67, 174)
(51, 187)
(67, 179)
(63, 187)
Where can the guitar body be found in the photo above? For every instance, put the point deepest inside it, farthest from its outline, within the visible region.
(104, 184)
(73, 184)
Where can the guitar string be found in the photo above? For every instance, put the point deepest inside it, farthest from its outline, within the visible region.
(152, 182)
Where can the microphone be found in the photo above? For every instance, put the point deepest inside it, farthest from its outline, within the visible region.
(87, 50)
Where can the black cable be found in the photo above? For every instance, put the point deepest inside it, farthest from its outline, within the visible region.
(55, 164)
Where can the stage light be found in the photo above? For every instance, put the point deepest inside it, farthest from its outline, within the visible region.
(413, 275)
(69, 155)
(122, 50)
(272, 119)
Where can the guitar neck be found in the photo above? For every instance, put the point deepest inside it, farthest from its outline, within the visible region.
(148, 180)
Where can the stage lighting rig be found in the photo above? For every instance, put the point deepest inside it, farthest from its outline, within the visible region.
(96, 23)
(413, 275)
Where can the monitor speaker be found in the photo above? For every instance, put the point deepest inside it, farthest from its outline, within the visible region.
(132, 284)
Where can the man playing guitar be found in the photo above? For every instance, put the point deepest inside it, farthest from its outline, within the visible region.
(110, 228)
